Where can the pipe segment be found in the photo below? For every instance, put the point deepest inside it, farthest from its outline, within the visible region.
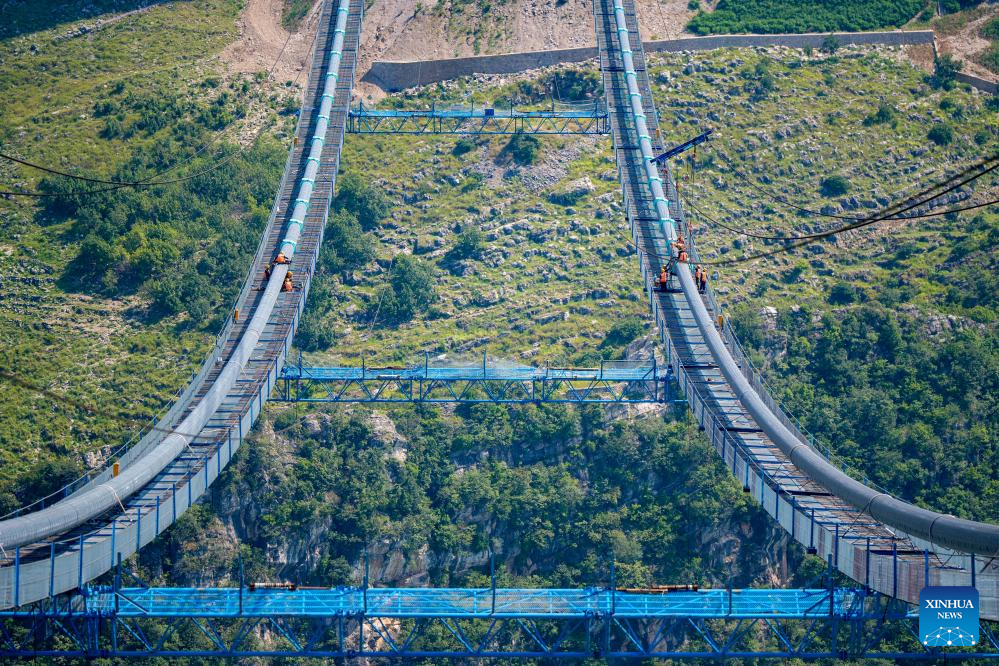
(965, 536)
(308, 181)
(105, 497)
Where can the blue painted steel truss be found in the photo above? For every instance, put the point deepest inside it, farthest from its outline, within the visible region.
(583, 119)
(473, 623)
(610, 383)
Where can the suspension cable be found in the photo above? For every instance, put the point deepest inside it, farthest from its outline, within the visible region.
(888, 214)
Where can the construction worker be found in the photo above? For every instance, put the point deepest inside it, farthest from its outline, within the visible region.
(281, 259)
(288, 284)
(697, 275)
(702, 285)
(663, 279)
(267, 272)
(682, 258)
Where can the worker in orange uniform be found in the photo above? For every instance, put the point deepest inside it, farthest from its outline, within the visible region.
(663, 279)
(267, 272)
(288, 284)
(702, 285)
(682, 258)
(281, 259)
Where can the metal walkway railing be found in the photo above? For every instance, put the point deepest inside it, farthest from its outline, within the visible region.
(67, 561)
(859, 545)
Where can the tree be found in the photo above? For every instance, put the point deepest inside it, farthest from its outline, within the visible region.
(842, 293)
(187, 291)
(885, 114)
(830, 44)
(410, 289)
(315, 333)
(940, 134)
(462, 146)
(945, 69)
(834, 186)
(346, 246)
(368, 204)
(524, 148)
(623, 332)
(95, 262)
(153, 257)
(469, 245)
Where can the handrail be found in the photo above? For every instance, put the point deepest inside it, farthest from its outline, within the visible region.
(74, 511)
(941, 529)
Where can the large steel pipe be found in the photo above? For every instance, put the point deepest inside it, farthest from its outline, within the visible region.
(80, 508)
(966, 536)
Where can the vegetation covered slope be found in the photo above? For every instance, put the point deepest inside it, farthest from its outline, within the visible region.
(882, 340)
(776, 16)
(111, 298)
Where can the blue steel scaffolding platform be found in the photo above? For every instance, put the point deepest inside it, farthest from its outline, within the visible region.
(612, 382)
(285, 621)
(589, 118)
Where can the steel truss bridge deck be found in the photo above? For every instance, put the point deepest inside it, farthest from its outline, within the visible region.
(589, 119)
(608, 384)
(67, 561)
(473, 623)
(851, 540)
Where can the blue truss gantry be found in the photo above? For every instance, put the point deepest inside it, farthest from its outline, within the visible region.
(612, 382)
(589, 118)
(282, 620)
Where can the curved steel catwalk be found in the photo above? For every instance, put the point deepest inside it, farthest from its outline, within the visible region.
(881, 516)
(70, 542)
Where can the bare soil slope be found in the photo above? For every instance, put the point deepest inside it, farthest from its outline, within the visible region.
(262, 38)
(429, 29)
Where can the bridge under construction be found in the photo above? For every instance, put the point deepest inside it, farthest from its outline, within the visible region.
(52, 552)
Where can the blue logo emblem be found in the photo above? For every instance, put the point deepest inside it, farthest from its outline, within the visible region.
(948, 616)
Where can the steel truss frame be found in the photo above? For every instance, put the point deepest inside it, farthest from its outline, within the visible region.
(363, 120)
(606, 384)
(474, 623)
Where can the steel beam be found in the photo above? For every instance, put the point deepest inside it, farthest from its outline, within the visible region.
(107, 622)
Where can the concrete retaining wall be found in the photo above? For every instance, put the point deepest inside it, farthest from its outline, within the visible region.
(392, 76)
(976, 82)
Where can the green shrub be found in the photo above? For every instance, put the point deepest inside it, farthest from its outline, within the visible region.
(776, 16)
(694, 5)
(834, 186)
(842, 293)
(524, 148)
(945, 69)
(346, 246)
(991, 59)
(623, 332)
(462, 146)
(315, 331)
(885, 114)
(940, 134)
(368, 204)
(991, 29)
(574, 85)
(470, 245)
(410, 289)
